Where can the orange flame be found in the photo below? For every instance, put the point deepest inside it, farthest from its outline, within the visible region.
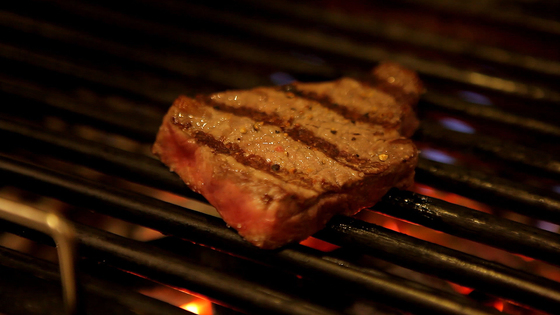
(199, 306)
(528, 259)
(499, 305)
(392, 225)
(451, 197)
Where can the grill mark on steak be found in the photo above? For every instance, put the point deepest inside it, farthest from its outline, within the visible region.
(253, 160)
(296, 132)
(399, 84)
(327, 102)
(330, 149)
(243, 111)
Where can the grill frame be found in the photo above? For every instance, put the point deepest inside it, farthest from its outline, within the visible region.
(365, 238)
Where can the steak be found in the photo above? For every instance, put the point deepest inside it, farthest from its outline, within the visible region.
(279, 162)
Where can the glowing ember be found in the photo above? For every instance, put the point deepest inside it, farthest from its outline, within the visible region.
(451, 197)
(499, 305)
(392, 225)
(461, 289)
(524, 257)
(318, 244)
(200, 307)
(191, 307)
(179, 298)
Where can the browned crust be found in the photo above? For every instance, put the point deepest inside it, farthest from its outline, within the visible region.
(300, 133)
(242, 111)
(234, 150)
(404, 86)
(343, 111)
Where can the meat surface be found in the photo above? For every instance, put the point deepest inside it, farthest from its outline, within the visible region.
(279, 162)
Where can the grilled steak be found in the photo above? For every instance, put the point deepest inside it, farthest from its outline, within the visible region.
(279, 162)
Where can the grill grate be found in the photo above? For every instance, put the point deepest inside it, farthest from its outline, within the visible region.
(114, 68)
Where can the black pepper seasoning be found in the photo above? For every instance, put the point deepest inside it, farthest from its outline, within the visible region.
(275, 167)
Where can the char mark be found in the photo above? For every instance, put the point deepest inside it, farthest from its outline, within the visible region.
(344, 111)
(232, 149)
(331, 150)
(251, 160)
(294, 131)
(326, 102)
(242, 111)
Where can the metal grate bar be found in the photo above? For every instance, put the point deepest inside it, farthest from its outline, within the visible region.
(497, 14)
(169, 61)
(221, 45)
(448, 103)
(171, 269)
(217, 74)
(528, 159)
(518, 122)
(463, 222)
(353, 50)
(449, 264)
(148, 171)
(493, 190)
(92, 109)
(98, 296)
(211, 231)
(400, 33)
(176, 61)
(431, 100)
(359, 51)
(145, 86)
(136, 167)
(152, 51)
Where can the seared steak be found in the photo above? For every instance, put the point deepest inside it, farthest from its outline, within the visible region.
(279, 162)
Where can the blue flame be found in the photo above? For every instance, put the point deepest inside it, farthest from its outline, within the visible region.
(437, 155)
(551, 227)
(476, 98)
(456, 125)
(281, 78)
